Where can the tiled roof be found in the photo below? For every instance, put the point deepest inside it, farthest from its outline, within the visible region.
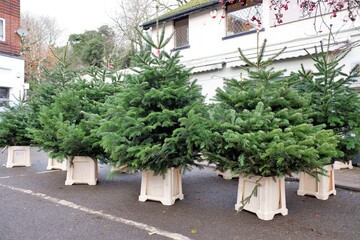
(186, 9)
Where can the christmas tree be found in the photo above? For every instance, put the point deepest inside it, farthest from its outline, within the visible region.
(155, 122)
(14, 121)
(335, 104)
(42, 93)
(68, 112)
(261, 126)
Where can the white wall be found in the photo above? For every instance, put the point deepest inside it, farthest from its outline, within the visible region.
(12, 76)
(214, 58)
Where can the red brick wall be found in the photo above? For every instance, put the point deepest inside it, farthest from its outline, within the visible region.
(10, 11)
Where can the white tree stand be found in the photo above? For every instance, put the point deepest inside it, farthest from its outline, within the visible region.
(228, 174)
(270, 198)
(121, 169)
(54, 164)
(157, 188)
(81, 170)
(340, 165)
(321, 189)
(18, 156)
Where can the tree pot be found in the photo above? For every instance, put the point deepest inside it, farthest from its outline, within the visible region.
(269, 200)
(321, 188)
(55, 164)
(18, 156)
(81, 170)
(228, 174)
(165, 189)
(340, 165)
(121, 169)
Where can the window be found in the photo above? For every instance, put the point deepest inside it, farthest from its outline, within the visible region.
(181, 27)
(242, 18)
(4, 96)
(2, 29)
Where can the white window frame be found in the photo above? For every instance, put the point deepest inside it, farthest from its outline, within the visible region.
(2, 29)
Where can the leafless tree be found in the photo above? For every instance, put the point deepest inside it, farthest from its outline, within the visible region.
(318, 8)
(129, 15)
(43, 33)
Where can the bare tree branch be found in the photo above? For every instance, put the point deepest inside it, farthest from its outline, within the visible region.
(43, 33)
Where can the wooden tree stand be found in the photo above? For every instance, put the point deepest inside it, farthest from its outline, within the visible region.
(340, 165)
(163, 189)
(81, 170)
(54, 164)
(321, 189)
(270, 197)
(18, 156)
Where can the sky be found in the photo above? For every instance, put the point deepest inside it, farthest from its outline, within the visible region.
(73, 16)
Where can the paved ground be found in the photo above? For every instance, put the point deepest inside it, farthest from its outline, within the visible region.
(35, 204)
(348, 178)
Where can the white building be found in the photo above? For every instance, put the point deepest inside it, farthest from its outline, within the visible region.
(12, 85)
(209, 36)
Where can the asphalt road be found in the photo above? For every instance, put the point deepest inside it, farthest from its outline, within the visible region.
(36, 204)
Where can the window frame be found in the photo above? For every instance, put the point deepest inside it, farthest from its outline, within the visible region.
(239, 7)
(186, 44)
(2, 29)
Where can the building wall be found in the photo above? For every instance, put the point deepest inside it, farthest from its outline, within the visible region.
(11, 63)
(12, 76)
(214, 58)
(10, 11)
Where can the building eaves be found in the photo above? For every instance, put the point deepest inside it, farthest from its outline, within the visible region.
(184, 10)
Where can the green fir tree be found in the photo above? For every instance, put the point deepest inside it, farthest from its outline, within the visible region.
(68, 125)
(261, 126)
(42, 93)
(68, 111)
(334, 102)
(14, 121)
(155, 123)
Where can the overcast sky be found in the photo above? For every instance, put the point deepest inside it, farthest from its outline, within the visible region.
(73, 16)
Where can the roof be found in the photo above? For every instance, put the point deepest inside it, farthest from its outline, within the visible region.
(182, 11)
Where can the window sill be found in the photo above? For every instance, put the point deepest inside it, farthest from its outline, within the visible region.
(180, 48)
(242, 34)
